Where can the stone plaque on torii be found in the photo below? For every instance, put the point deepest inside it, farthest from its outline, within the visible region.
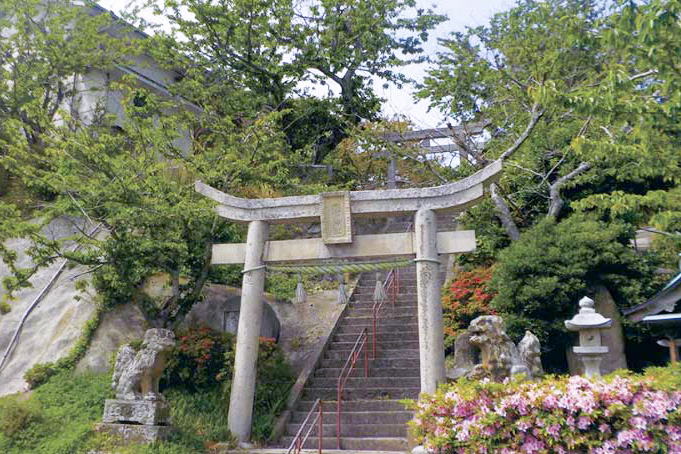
(336, 210)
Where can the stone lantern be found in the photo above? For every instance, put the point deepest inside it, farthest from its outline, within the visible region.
(589, 323)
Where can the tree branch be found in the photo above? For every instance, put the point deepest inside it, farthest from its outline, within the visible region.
(537, 113)
(556, 201)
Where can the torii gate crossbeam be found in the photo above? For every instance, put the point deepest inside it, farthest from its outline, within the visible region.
(336, 210)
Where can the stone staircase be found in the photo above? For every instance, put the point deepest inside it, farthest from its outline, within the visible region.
(373, 419)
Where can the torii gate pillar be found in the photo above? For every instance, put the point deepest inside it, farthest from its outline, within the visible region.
(247, 337)
(431, 339)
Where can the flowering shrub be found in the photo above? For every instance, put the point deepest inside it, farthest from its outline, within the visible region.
(618, 414)
(203, 361)
(197, 358)
(466, 298)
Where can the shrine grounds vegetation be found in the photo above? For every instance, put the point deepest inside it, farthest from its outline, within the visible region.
(622, 413)
(58, 417)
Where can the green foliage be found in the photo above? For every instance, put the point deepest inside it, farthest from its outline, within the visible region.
(490, 236)
(465, 298)
(40, 373)
(282, 286)
(272, 387)
(57, 417)
(541, 277)
(202, 365)
(201, 414)
(4, 308)
(16, 415)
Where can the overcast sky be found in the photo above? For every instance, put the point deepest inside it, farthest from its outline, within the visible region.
(399, 102)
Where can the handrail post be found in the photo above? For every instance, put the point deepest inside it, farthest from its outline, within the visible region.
(396, 283)
(373, 339)
(338, 417)
(366, 360)
(321, 426)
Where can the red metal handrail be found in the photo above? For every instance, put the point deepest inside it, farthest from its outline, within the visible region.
(360, 343)
(299, 440)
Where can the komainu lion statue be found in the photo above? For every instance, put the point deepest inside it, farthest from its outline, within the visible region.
(136, 374)
(484, 350)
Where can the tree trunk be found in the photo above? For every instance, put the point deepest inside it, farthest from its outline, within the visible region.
(504, 214)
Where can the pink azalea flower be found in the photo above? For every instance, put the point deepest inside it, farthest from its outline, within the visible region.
(583, 422)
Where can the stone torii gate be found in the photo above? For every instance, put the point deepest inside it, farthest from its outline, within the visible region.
(336, 210)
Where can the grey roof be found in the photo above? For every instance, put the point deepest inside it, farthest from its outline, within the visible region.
(668, 319)
(664, 300)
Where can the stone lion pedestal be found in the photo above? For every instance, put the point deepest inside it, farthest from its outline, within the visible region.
(139, 414)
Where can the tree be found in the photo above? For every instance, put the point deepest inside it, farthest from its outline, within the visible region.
(236, 44)
(638, 96)
(348, 40)
(42, 61)
(126, 176)
(582, 105)
(514, 74)
(265, 54)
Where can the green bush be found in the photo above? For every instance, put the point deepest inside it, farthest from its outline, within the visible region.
(541, 277)
(16, 415)
(39, 374)
(5, 308)
(282, 286)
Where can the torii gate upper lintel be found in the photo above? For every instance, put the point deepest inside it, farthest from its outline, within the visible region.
(336, 210)
(455, 196)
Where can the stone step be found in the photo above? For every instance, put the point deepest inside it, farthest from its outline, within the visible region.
(334, 372)
(356, 417)
(374, 364)
(369, 305)
(382, 336)
(384, 405)
(347, 328)
(368, 320)
(381, 344)
(398, 392)
(356, 430)
(369, 382)
(370, 287)
(354, 443)
(391, 354)
(407, 295)
(387, 311)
